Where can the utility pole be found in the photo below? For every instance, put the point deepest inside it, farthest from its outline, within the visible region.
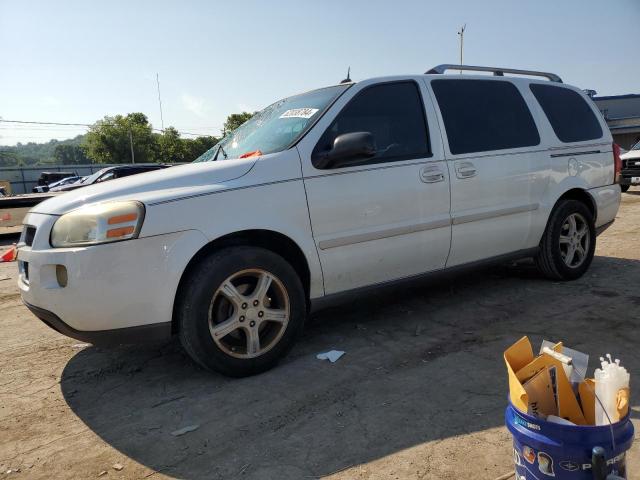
(160, 102)
(461, 33)
(133, 157)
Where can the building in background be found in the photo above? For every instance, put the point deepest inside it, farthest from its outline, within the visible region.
(622, 113)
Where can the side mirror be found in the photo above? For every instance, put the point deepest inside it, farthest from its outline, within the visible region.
(350, 148)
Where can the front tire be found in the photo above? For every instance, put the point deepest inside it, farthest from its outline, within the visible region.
(624, 188)
(241, 310)
(568, 243)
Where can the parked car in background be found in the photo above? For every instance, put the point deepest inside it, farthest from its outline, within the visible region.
(47, 178)
(59, 183)
(78, 181)
(111, 173)
(319, 196)
(630, 168)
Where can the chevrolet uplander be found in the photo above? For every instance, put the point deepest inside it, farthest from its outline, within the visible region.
(335, 190)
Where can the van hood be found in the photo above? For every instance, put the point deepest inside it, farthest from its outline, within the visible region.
(155, 186)
(631, 154)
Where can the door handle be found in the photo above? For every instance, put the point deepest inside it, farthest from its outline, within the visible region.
(465, 170)
(431, 174)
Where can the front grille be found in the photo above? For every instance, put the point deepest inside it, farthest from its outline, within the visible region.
(631, 164)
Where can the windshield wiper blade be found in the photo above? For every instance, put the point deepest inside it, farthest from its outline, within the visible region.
(220, 149)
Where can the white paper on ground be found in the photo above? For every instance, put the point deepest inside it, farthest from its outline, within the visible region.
(183, 430)
(331, 355)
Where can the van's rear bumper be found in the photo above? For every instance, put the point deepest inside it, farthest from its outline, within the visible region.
(607, 202)
(155, 332)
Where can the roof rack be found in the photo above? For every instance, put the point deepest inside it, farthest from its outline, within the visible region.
(499, 72)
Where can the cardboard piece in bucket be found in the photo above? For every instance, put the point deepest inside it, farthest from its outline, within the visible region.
(547, 387)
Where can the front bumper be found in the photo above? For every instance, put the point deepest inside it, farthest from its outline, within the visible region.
(627, 180)
(114, 293)
(141, 334)
(630, 170)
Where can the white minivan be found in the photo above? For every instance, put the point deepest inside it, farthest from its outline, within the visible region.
(331, 191)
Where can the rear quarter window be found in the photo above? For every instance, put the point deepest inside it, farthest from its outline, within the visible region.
(571, 118)
(484, 115)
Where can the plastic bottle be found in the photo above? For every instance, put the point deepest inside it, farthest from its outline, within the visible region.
(610, 379)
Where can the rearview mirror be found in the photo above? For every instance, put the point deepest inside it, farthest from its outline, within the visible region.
(350, 148)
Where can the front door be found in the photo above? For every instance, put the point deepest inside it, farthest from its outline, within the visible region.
(387, 216)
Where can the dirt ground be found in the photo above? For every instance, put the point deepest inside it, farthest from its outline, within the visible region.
(420, 393)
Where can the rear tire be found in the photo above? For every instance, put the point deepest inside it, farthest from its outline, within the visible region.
(240, 311)
(624, 188)
(568, 243)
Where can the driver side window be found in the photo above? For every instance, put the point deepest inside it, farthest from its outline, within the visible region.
(394, 115)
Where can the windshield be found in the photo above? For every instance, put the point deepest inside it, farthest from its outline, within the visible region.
(65, 181)
(636, 146)
(274, 128)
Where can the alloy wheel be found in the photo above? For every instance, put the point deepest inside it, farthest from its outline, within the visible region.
(575, 240)
(249, 313)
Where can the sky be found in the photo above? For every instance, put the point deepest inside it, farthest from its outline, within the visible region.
(77, 61)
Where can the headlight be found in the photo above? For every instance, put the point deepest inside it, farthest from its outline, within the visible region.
(99, 223)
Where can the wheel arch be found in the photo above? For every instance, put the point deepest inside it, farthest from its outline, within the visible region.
(580, 195)
(267, 239)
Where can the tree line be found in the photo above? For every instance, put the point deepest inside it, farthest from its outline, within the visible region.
(118, 139)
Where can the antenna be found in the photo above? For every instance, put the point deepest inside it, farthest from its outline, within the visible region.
(348, 79)
(461, 33)
(160, 102)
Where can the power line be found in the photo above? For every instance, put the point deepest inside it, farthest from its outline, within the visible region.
(70, 130)
(27, 136)
(41, 128)
(46, 123)
(32, 122)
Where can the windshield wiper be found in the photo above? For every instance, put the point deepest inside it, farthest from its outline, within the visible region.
(220, 149)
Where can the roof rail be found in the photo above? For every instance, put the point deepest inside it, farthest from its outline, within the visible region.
(499, 72)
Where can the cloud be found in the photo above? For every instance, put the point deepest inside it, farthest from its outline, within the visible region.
(194, 104)
(243, 107)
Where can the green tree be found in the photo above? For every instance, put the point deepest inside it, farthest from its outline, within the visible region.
(171, 148)
(235, 120)
(197, 146)
(109, 140)
(9, 158)
(68, 154)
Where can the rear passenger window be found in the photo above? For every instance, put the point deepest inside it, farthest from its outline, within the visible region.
(570, 116)
(484, 115)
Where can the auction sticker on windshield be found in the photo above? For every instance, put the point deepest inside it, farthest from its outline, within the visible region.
(299, 113)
